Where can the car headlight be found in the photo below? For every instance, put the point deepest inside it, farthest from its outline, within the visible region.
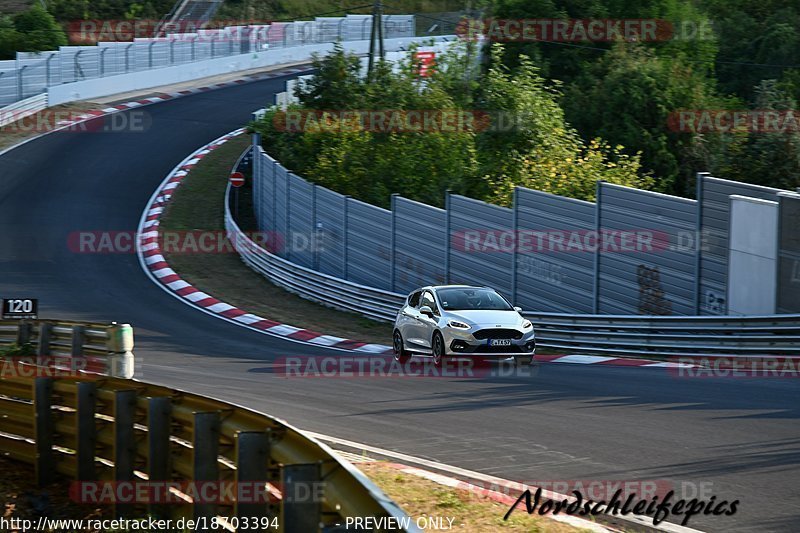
(458, 325)
(527, 324)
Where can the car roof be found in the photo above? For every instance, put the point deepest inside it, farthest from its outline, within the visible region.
(437, 287)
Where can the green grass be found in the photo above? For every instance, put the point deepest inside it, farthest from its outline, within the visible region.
(198, 205)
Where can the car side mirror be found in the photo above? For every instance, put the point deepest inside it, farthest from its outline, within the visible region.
(518, 309)
(426, 310)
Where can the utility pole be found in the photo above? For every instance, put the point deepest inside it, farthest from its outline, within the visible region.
(376, 34)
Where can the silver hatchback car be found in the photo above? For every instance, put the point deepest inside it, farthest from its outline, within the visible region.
(460, 320)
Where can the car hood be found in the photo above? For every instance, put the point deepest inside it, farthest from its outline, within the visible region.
(508, 319)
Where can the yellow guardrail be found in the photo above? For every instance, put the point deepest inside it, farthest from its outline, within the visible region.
(105, 432)
(101, 348)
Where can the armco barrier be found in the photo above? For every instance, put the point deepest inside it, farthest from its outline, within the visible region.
(606, 334)
(22, 109)
(108, 348)
(128, 431)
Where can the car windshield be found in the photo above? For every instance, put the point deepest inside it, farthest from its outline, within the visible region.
(466, 299)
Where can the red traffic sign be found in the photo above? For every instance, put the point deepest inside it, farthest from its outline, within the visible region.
(237, 179)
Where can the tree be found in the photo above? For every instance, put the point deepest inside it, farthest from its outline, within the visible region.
(627, 99)
(39, 31)
(761, 157)
(542, 151)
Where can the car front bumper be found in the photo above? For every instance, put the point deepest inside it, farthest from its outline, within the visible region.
(464, 343)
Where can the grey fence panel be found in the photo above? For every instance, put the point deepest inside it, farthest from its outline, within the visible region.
(281, 209)
(714, 195)
(551, 280)
(358, 27)
(649, 273)
(330, 231)
(330, 28)
(369, 233)
(398, 26)
(300, 237)
(420, 245)
(8, 87)
(484, 265)
(262, 189)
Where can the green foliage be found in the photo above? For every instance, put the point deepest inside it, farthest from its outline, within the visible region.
(627, 98)
(544, 152)
(16, 350)
(540, 151)
(771, 159)
(34, 30)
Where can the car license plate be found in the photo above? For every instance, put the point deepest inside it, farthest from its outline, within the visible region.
(500, 342)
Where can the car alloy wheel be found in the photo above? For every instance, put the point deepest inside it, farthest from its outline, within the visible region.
(400, 353)
(438, 349)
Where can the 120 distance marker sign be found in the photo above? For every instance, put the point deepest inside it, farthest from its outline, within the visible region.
(20, 308)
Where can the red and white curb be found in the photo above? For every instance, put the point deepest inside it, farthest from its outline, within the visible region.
(156, 266)
(163, 97)
(609, 361)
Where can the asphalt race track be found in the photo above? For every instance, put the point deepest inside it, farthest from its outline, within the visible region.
(738, 438)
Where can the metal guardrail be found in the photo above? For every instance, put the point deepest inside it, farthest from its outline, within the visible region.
(100, 348)
(22, 109)
(130, 431)
(666, 336)
(670, 336)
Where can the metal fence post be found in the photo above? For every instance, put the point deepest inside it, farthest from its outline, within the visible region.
(45, 332)
(393, 243)
(86, 430)
(698, 270)
(252, 466)
(597, 228)
(124, 443)
(24, 329)
(205, 451)
(515, 231)
(287, 239)
(127, 58)
(47, 69)
(20, 72)
(78, 338)
(447, 237)
(43, 430)
(301, 507)
(314, 230)
(103, 61)
(345, 240)
(159, 418)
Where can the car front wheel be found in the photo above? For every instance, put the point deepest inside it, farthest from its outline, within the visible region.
(437, 347)
(401, 355)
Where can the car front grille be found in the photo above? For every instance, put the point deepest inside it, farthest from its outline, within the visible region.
(497, 333)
